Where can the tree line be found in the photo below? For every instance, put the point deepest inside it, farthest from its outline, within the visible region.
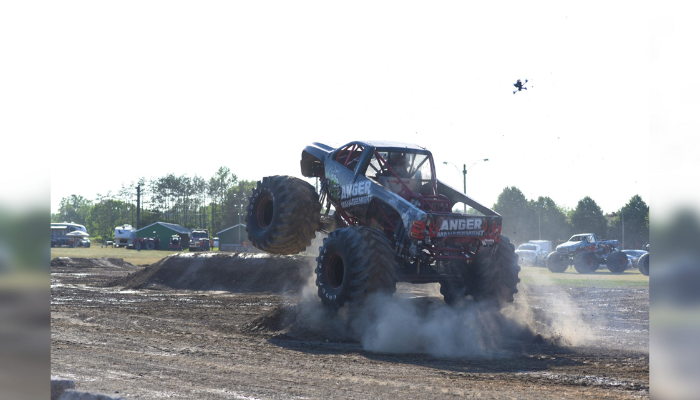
(193, 202)
(215, 204)
(525, 219)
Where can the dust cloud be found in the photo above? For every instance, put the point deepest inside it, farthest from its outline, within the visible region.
(418, 321)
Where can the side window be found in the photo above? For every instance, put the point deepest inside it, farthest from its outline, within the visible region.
(349, 156)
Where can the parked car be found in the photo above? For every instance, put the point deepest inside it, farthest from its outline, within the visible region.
(531, 254)
(633, 257)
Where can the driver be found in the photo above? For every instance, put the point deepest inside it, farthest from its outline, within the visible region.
(399, 163)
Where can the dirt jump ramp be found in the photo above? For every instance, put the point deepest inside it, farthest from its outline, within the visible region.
(235, 272)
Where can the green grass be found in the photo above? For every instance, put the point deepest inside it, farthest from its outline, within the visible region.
(528, 275)
(143, 257)
(601, 278)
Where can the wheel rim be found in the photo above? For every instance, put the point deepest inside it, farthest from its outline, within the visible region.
(265, 212)
(335, 271)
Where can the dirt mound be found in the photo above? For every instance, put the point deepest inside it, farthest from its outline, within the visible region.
(236, 272)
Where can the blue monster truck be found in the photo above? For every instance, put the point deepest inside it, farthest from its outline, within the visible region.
(392, 222)
(586, 253)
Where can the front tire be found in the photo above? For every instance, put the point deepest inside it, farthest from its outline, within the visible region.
(585, 262)
(643, 264)
(617, 262)
(352, 263)
(138, 246)
(150, 245)
(283, 215)
(556, 262)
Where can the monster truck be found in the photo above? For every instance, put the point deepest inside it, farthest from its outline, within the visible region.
(643, 262)
(199, 240)
(586, 252)
(392, 222)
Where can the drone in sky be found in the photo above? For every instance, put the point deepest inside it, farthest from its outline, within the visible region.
(520, 85)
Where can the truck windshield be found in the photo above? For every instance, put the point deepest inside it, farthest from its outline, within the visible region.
(577, 238)
(199, 235)
(414, 169)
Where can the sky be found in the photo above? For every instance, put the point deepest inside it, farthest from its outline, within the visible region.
(125, 90)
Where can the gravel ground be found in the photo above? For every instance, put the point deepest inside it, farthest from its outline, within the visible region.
(237, 326)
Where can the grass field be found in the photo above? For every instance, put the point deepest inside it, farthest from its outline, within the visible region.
(143, 257)
(528, 275)
(600, 278)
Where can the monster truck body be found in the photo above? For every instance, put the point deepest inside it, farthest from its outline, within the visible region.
(586, 253)
(392, 221)
(362, 181)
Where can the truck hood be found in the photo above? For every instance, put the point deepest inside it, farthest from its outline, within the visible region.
(568, 245)
(525, 252)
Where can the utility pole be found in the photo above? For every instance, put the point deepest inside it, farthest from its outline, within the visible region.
(138, 206)
(465, 186)
(539, 222)
(622, 214)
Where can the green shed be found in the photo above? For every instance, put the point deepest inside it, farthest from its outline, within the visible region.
(163, 231)
(233, 235)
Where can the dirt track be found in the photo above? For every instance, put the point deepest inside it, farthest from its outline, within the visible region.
(221, 327)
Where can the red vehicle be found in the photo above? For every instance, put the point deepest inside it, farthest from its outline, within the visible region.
(392, 221)
(175, 243)
(145, 243)
(199, 240)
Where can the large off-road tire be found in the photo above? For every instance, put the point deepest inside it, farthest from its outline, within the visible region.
(643, 264)
(585, 262)
(150, 245)
(617, 262)
(138, 245)
(283, 215)
(498, 277)
(352, 263)
(491, 278)
(556, 262)
(456, 289)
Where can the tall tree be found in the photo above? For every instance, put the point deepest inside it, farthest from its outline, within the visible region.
(73, 209)
(106, 215)
(549, 220)
(634, 214)
(219, 185)
(587, 217)
(513, 207)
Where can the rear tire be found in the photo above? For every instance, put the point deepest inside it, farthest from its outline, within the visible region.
(352, 263)
(492, 278)
(150, 245)
(556, 262)
(617, 262)
(454, 290)
(643, 264)
(585, 262)
(283, 215)
(138, 246)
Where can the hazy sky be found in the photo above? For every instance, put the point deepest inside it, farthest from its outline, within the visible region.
(143, 89)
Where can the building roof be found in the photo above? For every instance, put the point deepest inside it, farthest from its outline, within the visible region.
(177, 228)
(231, 227)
